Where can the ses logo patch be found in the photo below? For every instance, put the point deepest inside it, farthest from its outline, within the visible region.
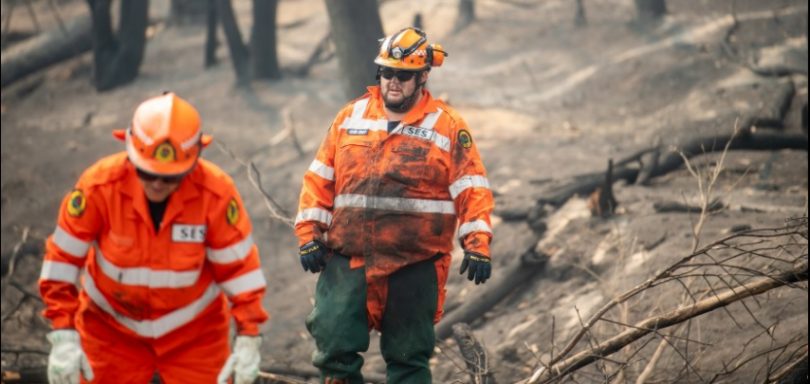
(464, 139)
(76, 203)
(232, 214)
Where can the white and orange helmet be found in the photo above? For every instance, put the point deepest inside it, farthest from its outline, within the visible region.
(409, 50)
(165, 136)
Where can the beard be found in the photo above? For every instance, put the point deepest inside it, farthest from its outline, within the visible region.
(404, 104)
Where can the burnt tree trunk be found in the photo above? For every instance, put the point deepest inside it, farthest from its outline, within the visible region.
(651, 9)
(211, 41)
(185, 12)
(263, 40)
(240, 56)
(117, 57)
(356, 26)
(466, 14)
(580, 20)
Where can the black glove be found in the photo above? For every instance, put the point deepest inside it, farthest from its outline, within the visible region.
(480, 268)
(313, 256)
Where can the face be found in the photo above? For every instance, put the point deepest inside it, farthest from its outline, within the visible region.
(394, 90)
(156, 188)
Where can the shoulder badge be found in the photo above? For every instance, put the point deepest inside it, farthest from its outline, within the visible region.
(464, 138)
(232, 214)
(76, 203)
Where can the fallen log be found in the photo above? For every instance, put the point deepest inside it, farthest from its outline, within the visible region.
(649, 162)
(526, 266)
(674, 206)
(747, 140)
(46, 49)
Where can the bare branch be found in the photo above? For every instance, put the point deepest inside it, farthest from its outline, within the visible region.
(674, 317)
(254, 176)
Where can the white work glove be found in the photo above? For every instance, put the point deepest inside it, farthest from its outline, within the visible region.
(243, 362)
(67, 358)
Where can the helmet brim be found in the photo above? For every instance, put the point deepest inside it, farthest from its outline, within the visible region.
(153, 166)
(121, 134)
(398, 64)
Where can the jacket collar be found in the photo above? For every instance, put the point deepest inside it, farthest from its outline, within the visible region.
(132, 188)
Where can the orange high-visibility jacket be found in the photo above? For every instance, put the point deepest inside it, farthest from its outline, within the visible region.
(152, 283)
(396, 199)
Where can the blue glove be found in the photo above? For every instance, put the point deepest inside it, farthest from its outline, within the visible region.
(479, 267)
(313, 256)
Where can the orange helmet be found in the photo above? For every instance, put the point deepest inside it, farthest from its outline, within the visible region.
(409, 50)
(164, 137)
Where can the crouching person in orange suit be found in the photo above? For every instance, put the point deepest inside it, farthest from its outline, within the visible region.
(164, 245)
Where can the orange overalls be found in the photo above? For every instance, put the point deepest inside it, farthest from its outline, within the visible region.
(153, 301)
(392, 200)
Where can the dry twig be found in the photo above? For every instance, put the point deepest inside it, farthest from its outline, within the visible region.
(786, 251)
(255, 178)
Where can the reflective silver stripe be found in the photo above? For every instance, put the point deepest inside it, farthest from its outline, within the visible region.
(430, 120)
(322, 170)
(148, 277)
(244, 283)
(69, 243)
(192, 141)
(442, 142)
(229, 254)
(136, 128)
(468, 181)
(356, 120)
(160, 326)
(359, 108)
(473, 226)
(133, 154)
(395, 204)
(59, 271)
(317, 214)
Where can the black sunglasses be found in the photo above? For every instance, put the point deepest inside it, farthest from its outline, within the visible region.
(402, 76)
(151, 177)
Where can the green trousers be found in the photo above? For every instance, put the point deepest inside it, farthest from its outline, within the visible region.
(339, 323)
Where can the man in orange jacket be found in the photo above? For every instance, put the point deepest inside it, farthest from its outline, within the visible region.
(397, 174)
(160, 234)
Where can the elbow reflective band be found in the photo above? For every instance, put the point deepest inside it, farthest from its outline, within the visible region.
(468, 181)
(229, 254)
(322, 170)
(69, 243)
(244, 283)
(58, 271)
(473, 226)
(317, 214)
